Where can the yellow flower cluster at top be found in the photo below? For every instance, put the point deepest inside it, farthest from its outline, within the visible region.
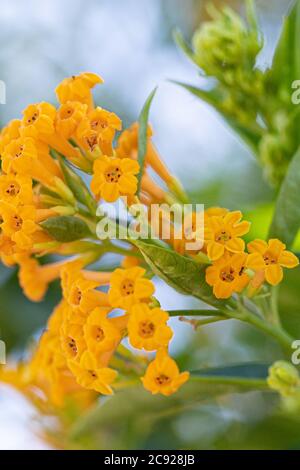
(79, 353)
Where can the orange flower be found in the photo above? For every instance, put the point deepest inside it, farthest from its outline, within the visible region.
(78, 88)
(227, 275)
(274, 257)
(100, 333)
(38, 120)
(16, 189)
(79, 291)
(35, 278)
(98, 128)
(114, 177)
(147, 328)
(68, 116)
(19, 224)
(90, 376)
(72, 341)
(222, 233)
(128, 287)
(9, 133)
(163, 376)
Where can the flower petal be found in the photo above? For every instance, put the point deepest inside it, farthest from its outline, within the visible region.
(274, 274)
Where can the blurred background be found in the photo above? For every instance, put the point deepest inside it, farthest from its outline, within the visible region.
(129, 43)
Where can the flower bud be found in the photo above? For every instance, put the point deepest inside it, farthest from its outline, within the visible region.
(284, 378)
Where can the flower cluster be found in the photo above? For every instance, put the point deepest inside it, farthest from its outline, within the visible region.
(108, 322)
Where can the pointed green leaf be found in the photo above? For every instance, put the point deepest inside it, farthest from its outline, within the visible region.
(66, 228)
(214, 98)
(183, 45)
(286, 220)
(142, 135)
(180, 272)
(286, 61)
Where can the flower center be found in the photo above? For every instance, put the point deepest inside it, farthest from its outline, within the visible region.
(12, 189)
(113, 174)
(269, 259)
(146, 329)
(98, 124)
(227, 275)
(93, 374)
(76, 295)
(32, 118)
(17, 222)
(66, 112)
(98, 333)
(127, 287)
(72, 348)
(162, 379)
(92, 140)
(19, 151)
(223, 236)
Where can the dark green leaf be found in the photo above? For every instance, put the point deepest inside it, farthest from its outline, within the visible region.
(180, 272)
(286, 219)
(66, 228)
(142, 134)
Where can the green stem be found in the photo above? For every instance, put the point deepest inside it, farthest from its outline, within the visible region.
(196, 313)
(260, 384)
(272, 330)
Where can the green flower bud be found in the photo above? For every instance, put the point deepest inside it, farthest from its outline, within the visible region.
(225, 44)
(284, 378)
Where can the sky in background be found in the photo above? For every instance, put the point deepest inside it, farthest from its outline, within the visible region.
(128, 42)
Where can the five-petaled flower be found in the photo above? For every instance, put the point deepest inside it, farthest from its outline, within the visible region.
(163, 375)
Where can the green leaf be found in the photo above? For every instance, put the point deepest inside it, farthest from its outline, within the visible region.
(142, 135)
(183, 45)
(214, 98)
(66, 228)
(286, 220)
(181, 273)
(286, 62)
(77, 186)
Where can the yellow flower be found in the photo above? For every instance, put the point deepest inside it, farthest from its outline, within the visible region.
(35, 278)
(114, 177)
(78, 88)
(16, 189)
(98, 128)
(163, 376)
(38, 119)
(128, 287)
(222, 233)
(100, 333)
(79, 291)
(275, 257)
(68, 116)
(90, 376)
(9, 133)
(23, 156)
(227, 275)
(147, 328)
(19, 224)
(72, 341)
(128, 147)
